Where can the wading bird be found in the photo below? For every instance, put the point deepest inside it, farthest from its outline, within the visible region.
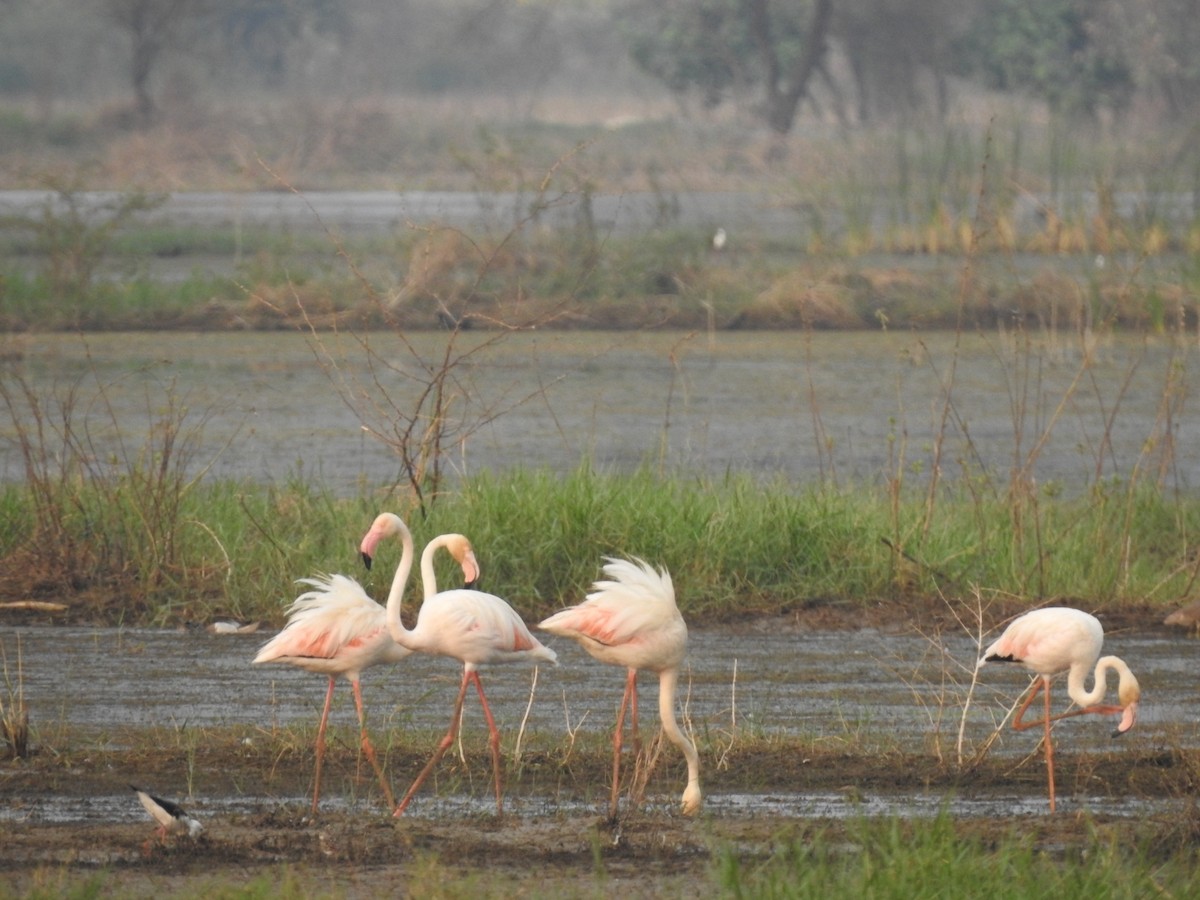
(337, 629)
(633, 621)
(473, 627)
(171, 817)
(1059, 639)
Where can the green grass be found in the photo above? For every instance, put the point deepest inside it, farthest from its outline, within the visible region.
(909, 860)
(154, 553)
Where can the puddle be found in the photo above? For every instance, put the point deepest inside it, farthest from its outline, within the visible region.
(865, 690)
(900, 690)
(124, 807)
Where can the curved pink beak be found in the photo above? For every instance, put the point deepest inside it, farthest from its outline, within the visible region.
(1128, 719)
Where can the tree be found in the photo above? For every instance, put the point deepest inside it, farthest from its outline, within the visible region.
(1045, 49)
(267, 32)
(153, 26)
(1161, 40)
(895, 48)
(722, 48)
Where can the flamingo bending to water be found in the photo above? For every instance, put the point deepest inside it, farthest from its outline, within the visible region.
(337, 629)
(633, 621)
(470, 626)
(1060, 639)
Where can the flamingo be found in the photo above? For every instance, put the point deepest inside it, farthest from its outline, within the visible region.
(1060, 639)
(337, 629)
(468, 625)
(633, 621)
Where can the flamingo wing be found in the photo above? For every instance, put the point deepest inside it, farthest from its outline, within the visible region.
(631, 620)
(476, 628)
(336, 616)
(1049, 640)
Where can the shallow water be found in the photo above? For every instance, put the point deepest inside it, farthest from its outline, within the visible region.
(759, 680)
(124, 807)
(835, 407)
(865, 690)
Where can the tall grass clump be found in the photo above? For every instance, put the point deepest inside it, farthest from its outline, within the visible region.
(883, 858)
(733, 546)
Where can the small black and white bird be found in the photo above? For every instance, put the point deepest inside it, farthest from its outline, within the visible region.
(171, 817)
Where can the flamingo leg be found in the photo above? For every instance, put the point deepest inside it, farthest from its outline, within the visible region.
(630, 680)
(493, 741)
(1039, 684)
(442, 746)
(368, 749)
(633, 718)
(321, 744)
(618, 737)
(1043, 685)
(1049, 750)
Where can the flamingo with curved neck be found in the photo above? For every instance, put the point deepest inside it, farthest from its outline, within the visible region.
(1060, 639)
(473, 627)
(633, 621)
(337, 629)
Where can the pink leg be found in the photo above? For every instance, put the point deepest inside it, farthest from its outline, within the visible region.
(442, 747)
(1043, 685)
(493, 742)
(368, 749)
(630, 683)
(1049, 750)
(633, 719)
(321, 745)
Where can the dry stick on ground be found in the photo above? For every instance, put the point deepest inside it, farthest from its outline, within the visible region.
(525, 718)
(572, 733)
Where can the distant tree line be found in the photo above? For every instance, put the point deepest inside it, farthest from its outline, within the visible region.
(861, 60)
(871, 59)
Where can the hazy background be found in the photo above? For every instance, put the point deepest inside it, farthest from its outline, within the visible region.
(187, 93)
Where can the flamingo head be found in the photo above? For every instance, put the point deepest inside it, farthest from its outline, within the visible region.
(1129, 693)
(691, 800)
(460, 548)
(384, 526)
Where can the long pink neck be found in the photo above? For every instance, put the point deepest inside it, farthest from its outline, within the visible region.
(428, 575)
(667, 681)
(396, 595)
(1078, 674)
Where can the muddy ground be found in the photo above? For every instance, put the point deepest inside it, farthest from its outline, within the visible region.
(553, 840)
(69, 822)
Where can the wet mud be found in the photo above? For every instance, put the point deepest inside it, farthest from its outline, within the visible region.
(802, 730)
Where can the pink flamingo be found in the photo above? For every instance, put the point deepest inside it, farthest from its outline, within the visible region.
(633, 621)
(1060, 639)
(337, 629)
(470, 626)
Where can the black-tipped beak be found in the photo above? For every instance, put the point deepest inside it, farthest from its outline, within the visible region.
(472, 585)
(366, 558)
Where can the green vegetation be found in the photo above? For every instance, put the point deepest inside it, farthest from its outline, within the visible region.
(882, 858)
(147, 546)
(939, 228)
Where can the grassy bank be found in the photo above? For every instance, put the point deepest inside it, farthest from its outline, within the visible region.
(135, 550)
(942, 226)
(526, 277)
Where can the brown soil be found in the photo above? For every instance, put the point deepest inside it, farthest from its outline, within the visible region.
(365, 851)
(550, 852)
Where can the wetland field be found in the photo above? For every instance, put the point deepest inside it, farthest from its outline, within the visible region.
(814, 726)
